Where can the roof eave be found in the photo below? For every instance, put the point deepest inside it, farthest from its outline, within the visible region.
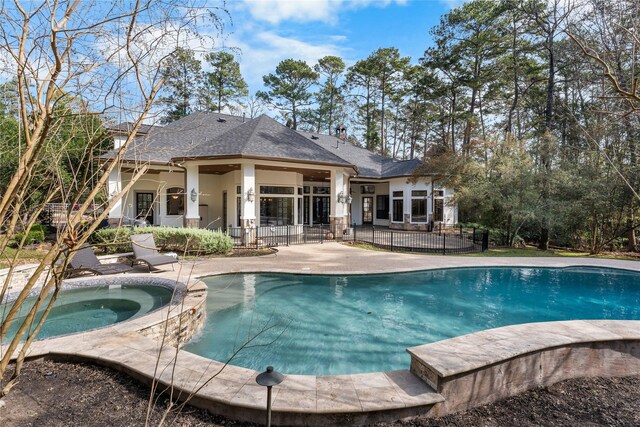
(129, 161)
(278, 159)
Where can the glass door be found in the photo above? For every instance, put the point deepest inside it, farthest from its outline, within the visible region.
(305, 210)
(144, 206)
(225, 224)
(367, 210)
(321, 209)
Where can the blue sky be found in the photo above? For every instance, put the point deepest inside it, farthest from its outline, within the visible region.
(268, 31)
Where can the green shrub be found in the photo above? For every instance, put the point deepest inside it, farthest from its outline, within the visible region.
(36, 235)
(112, 240)
(183, 240)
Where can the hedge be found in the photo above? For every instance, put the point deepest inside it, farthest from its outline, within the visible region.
(36, 235)
(182, 240)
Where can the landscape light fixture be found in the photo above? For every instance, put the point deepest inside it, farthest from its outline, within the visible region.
(268, 379)
(194, 195)
(251, 194)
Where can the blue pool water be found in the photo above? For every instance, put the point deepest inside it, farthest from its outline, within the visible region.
(350, 324)
(83, 309)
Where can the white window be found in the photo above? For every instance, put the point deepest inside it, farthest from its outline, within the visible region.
(419, 205)
(175, 201)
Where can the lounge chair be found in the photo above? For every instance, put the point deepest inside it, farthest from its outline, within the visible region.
(85, 261)
(145, 252)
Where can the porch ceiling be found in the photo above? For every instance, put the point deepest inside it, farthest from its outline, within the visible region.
(308, 174)
(218, 169)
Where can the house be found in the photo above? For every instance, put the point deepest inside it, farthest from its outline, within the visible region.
(212, 170)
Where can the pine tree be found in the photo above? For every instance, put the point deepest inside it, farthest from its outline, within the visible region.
(289, 88)
(224, 85)
(183, 84)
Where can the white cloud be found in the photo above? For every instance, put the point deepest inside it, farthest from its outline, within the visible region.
(261, 53)
(452, 4)
(276, 11)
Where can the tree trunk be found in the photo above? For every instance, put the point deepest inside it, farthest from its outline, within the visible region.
(632, 244)
(453, 122)
(368, 117)
(466, 141)
(330, 112)
(294, 117)
(543, 244)
(382, 139)
(516, 85)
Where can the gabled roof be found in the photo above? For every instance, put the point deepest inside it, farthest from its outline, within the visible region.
(126, 128)
(176, 138)
(370, 165)
(262, 137)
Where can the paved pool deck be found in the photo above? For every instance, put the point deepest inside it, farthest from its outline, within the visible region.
(361, 398)
(336, 258)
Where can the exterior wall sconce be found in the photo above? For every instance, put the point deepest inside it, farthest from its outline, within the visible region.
(343, 198)
(251, 195)
(194, 195)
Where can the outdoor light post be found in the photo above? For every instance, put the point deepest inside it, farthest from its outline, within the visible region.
(269, 378)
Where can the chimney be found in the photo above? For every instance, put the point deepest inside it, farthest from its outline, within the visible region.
(341, 132)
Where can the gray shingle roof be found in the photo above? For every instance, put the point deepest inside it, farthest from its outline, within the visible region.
(127, 127)
(370, 165)
(177, 138)
(266, 138)
(393, 167)
(210, 135)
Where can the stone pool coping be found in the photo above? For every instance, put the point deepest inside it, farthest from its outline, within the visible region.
(178, 288)
(502, 362)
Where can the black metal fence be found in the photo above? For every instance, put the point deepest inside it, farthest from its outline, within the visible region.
(56, 215)
(443, 240)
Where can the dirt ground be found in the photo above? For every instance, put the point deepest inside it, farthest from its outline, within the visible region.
(56, 394)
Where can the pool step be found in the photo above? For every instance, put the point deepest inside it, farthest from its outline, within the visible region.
(480, 368)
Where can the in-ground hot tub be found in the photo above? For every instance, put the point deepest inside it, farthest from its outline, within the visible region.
(86, 304)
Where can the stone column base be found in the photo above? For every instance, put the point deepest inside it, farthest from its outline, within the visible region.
(338, 225)
(192, 222)
(249, 232)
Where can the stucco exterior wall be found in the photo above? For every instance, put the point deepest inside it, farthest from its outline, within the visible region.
(211, 188)
(381, 189)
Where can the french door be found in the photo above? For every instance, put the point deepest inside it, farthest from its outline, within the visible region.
(144, 206)
(367, 210)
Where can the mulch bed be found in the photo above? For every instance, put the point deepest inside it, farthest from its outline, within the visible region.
(77, 394)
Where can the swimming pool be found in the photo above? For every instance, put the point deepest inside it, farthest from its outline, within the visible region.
(86, 308)
(328, 325)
